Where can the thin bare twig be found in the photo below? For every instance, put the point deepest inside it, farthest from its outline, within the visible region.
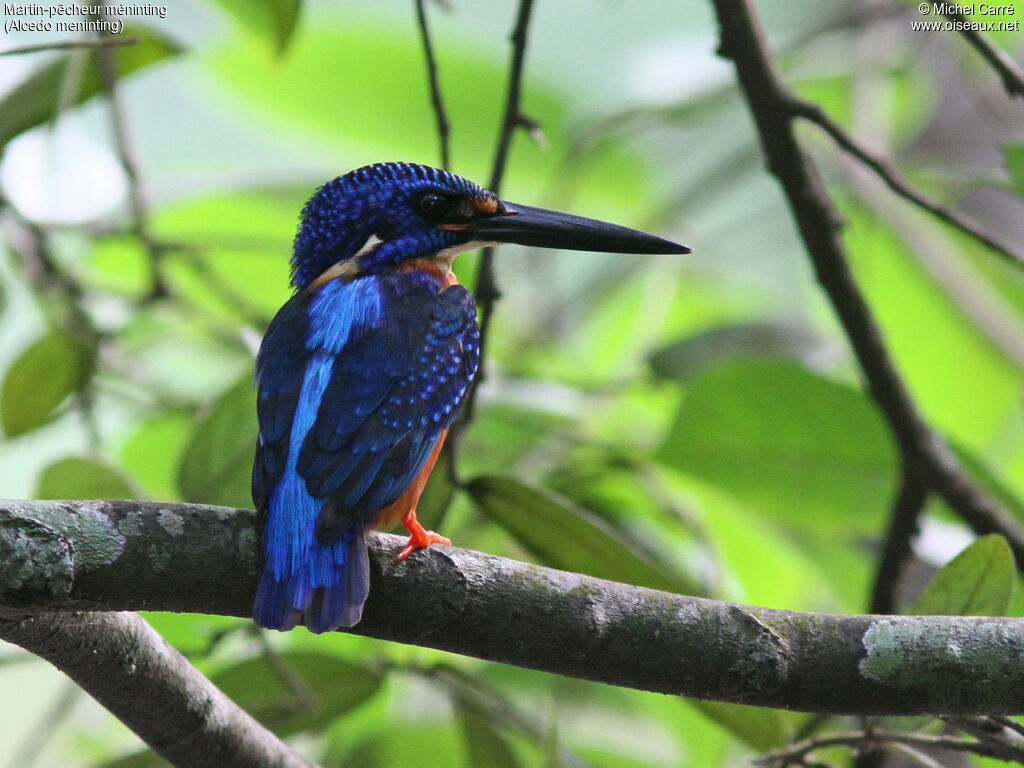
(795, 754)
(486, 290)
(903, 524)
(1010, 724)
(818, 223)
(1005, 67)
(136, 196)
(63, 45)
(441, 115)
(1002, 735)
(30, 242)
(898, 183)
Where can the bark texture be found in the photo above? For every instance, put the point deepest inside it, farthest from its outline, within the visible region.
(125, 555)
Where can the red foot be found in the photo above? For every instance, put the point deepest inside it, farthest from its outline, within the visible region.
(419, 537)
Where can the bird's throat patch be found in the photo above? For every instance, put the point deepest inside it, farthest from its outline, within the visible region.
(440, 270)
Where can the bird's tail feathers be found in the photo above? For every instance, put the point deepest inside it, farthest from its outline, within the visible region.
(335, 601)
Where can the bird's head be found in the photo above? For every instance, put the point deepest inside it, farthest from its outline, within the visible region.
(374, 218)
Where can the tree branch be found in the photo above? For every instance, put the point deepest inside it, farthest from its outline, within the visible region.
(794, 754)
(903, 525)
(140, 212)
(896, 181)
(486, 289)
(818, 222)
(64, 45)
(436, 99)
(126, 555)
(1005, 67)
(128, 668)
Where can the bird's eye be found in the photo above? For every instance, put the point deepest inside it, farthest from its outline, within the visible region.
(435, 207)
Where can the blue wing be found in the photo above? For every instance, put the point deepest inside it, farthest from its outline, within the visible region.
(356, 383)
(391, 394)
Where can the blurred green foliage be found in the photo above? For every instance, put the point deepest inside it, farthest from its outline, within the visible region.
(686, 424)
(977, 582)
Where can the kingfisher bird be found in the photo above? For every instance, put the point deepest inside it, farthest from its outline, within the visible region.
(363, 370)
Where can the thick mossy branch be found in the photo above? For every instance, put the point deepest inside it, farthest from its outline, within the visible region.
(127, 555)
(150, 687)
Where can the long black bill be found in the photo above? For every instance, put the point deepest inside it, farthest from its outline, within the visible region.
(526, 225)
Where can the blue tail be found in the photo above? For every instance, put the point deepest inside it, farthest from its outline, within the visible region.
(328, 588)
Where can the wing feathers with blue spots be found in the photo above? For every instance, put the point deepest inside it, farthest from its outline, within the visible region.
(393, 388)
(390, 396)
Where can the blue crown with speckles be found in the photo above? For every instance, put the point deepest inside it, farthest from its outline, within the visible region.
(373, 201)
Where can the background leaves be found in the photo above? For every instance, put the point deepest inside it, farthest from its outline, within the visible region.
(52, 368)
(693, 424)
(38, 99)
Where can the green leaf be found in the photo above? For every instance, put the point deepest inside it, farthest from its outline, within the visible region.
(977, 582)
(684, 358)
(306, 690)
(785, 441)
(486, 747)
(758, 727)
(41, 378)
(273, 21)
(119, 264)
(78, 477)
(216, 467)
(36, 100)
(1015, 163)
(569, 538)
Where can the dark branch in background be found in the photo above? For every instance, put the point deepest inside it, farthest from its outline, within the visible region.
(136, 196)
(903, 524)
(1001, 735)
(435, 86)
(486, 289)
(1005, 67)
(140, 227)
(128, 668)
(896, 181)
(796, 754)
(818, 222)
(63, 45)
(128, 555)
(29, 241)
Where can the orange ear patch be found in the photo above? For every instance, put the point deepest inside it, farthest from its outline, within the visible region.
(485, 205)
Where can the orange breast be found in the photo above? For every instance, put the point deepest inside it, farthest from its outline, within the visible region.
(391, 516)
